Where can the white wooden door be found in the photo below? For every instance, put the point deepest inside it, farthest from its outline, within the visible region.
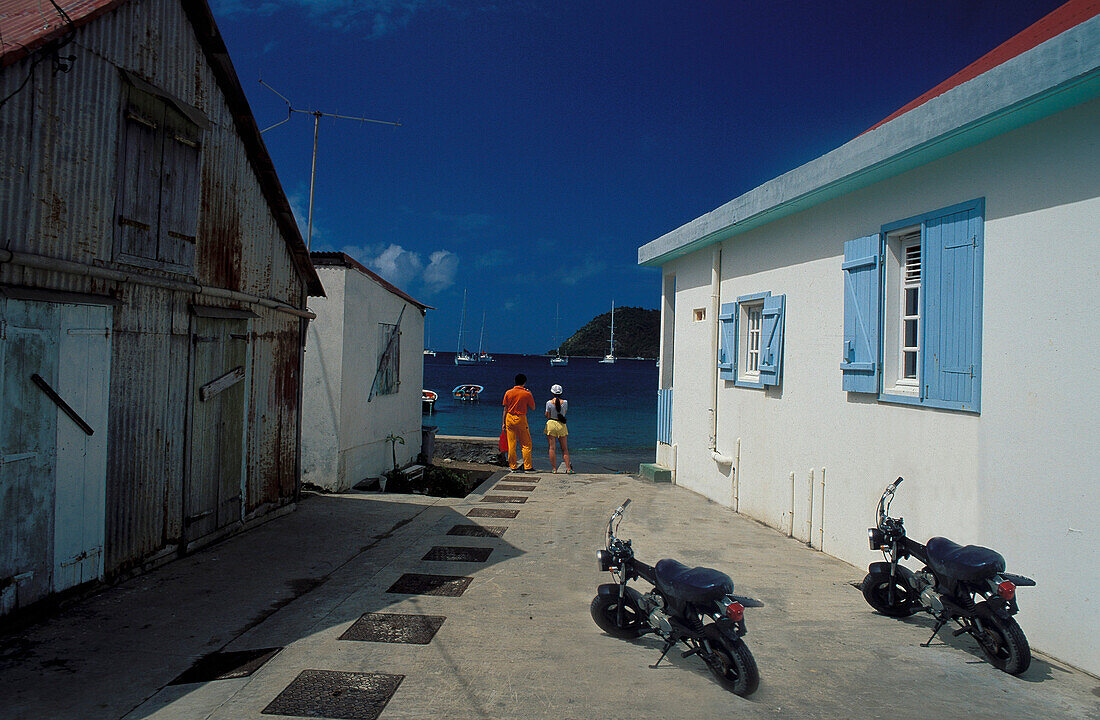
(83, 377)
(28, 346)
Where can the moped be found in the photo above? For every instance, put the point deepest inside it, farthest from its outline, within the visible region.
(964, 584)
(692, 606)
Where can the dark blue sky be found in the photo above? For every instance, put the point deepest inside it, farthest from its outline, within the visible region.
(543, 142)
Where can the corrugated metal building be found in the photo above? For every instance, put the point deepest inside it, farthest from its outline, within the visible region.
(152, 295)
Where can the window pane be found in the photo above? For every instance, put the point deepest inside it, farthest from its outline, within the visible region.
(910, 333)
(910, 365)
(911, 306)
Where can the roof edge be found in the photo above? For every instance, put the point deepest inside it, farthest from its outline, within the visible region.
(210, 39)
(342, 259)
(1053, 76)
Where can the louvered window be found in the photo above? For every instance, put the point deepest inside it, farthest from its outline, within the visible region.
(910, 312)
(160, 160)
(751, 340)
(389, 367)
(913, 310)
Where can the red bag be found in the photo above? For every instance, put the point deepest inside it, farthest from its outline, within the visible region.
(503, 444)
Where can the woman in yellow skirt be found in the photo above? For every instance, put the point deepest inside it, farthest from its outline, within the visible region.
(556, 429)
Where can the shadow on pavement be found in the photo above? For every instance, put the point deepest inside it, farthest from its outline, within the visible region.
(322, 566)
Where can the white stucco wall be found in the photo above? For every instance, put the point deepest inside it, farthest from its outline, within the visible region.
(343, 438)
(364, 451)
(1021, 476)
(321, 383)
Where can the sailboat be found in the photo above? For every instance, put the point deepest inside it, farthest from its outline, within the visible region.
(557, 360)
(462, 357)
(610, 357)
(482, 356)
(428, 352)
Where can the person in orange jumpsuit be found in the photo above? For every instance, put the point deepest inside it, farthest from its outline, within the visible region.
(517, 402)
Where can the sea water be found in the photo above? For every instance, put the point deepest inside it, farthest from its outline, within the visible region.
(612, 407)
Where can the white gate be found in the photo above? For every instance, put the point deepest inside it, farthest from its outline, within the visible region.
(83, 374)
(55, 360)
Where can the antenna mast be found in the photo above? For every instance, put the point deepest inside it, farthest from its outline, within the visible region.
(317, 115)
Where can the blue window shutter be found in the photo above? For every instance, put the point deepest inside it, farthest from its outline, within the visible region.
(952, 312)
(771, 339)
(727, 347)
(862, 302)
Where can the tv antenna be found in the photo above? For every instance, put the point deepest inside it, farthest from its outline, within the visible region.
(317, 115)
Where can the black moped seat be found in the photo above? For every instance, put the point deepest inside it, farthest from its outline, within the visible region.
(694, 585)
(970, 563)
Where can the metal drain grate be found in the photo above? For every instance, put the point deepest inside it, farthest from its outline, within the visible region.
(492, 512)
(329, 694)
(389, 628)
(450, 553)
(226, 665)
(516, 488)
(478, 530)
(418, 584)
(504, 498)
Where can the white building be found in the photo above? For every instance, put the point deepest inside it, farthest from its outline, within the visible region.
(918, 302)
(364, 370)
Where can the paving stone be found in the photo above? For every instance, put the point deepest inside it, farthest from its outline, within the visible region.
(330, 694)
(421, 584)
(492, 512)
(391, 628)
(504, 499)
(226, 665)
(478, 530)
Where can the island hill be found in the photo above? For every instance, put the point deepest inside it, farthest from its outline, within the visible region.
(637, 334)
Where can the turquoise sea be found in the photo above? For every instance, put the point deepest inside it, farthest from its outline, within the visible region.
(612, 407)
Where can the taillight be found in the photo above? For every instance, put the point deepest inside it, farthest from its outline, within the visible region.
(1007, 590)
(735, 611)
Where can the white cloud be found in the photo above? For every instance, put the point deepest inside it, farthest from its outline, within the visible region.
(441, 270)
(380, 17)
(398, 265)
(407, 269)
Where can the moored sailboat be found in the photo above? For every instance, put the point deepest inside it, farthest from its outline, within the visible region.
(558, 359)
(462, 355)
(610, 356)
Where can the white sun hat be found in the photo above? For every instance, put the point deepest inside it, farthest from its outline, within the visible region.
(555, 389)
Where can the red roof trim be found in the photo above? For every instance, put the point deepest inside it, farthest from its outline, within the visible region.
(342, 259)
(1070, 15)
(26, 29)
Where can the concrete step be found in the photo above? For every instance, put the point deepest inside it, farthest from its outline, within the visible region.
(655, 473)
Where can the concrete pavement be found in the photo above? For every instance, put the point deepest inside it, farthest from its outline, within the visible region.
(517, 640)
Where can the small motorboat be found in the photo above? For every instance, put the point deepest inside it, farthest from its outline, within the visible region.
(427, 401)
(467, 393)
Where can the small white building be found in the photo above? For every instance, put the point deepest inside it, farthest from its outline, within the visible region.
(364, 371)
(919, 302)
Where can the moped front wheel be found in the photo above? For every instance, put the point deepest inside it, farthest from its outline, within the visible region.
(1002, 641)
(605, 612)
(876, 591)
(732, 663)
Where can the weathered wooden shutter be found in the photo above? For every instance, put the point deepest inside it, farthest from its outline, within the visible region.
(727, 349)
(180, 182)
(771, 339)
(139, 189)
(952, 318)
(862, 302)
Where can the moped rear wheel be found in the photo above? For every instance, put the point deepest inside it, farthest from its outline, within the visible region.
(605, 612)
(1002, 641)
(732, 663)
(876, 591)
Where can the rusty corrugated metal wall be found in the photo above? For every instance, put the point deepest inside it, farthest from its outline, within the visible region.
(58, 187)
